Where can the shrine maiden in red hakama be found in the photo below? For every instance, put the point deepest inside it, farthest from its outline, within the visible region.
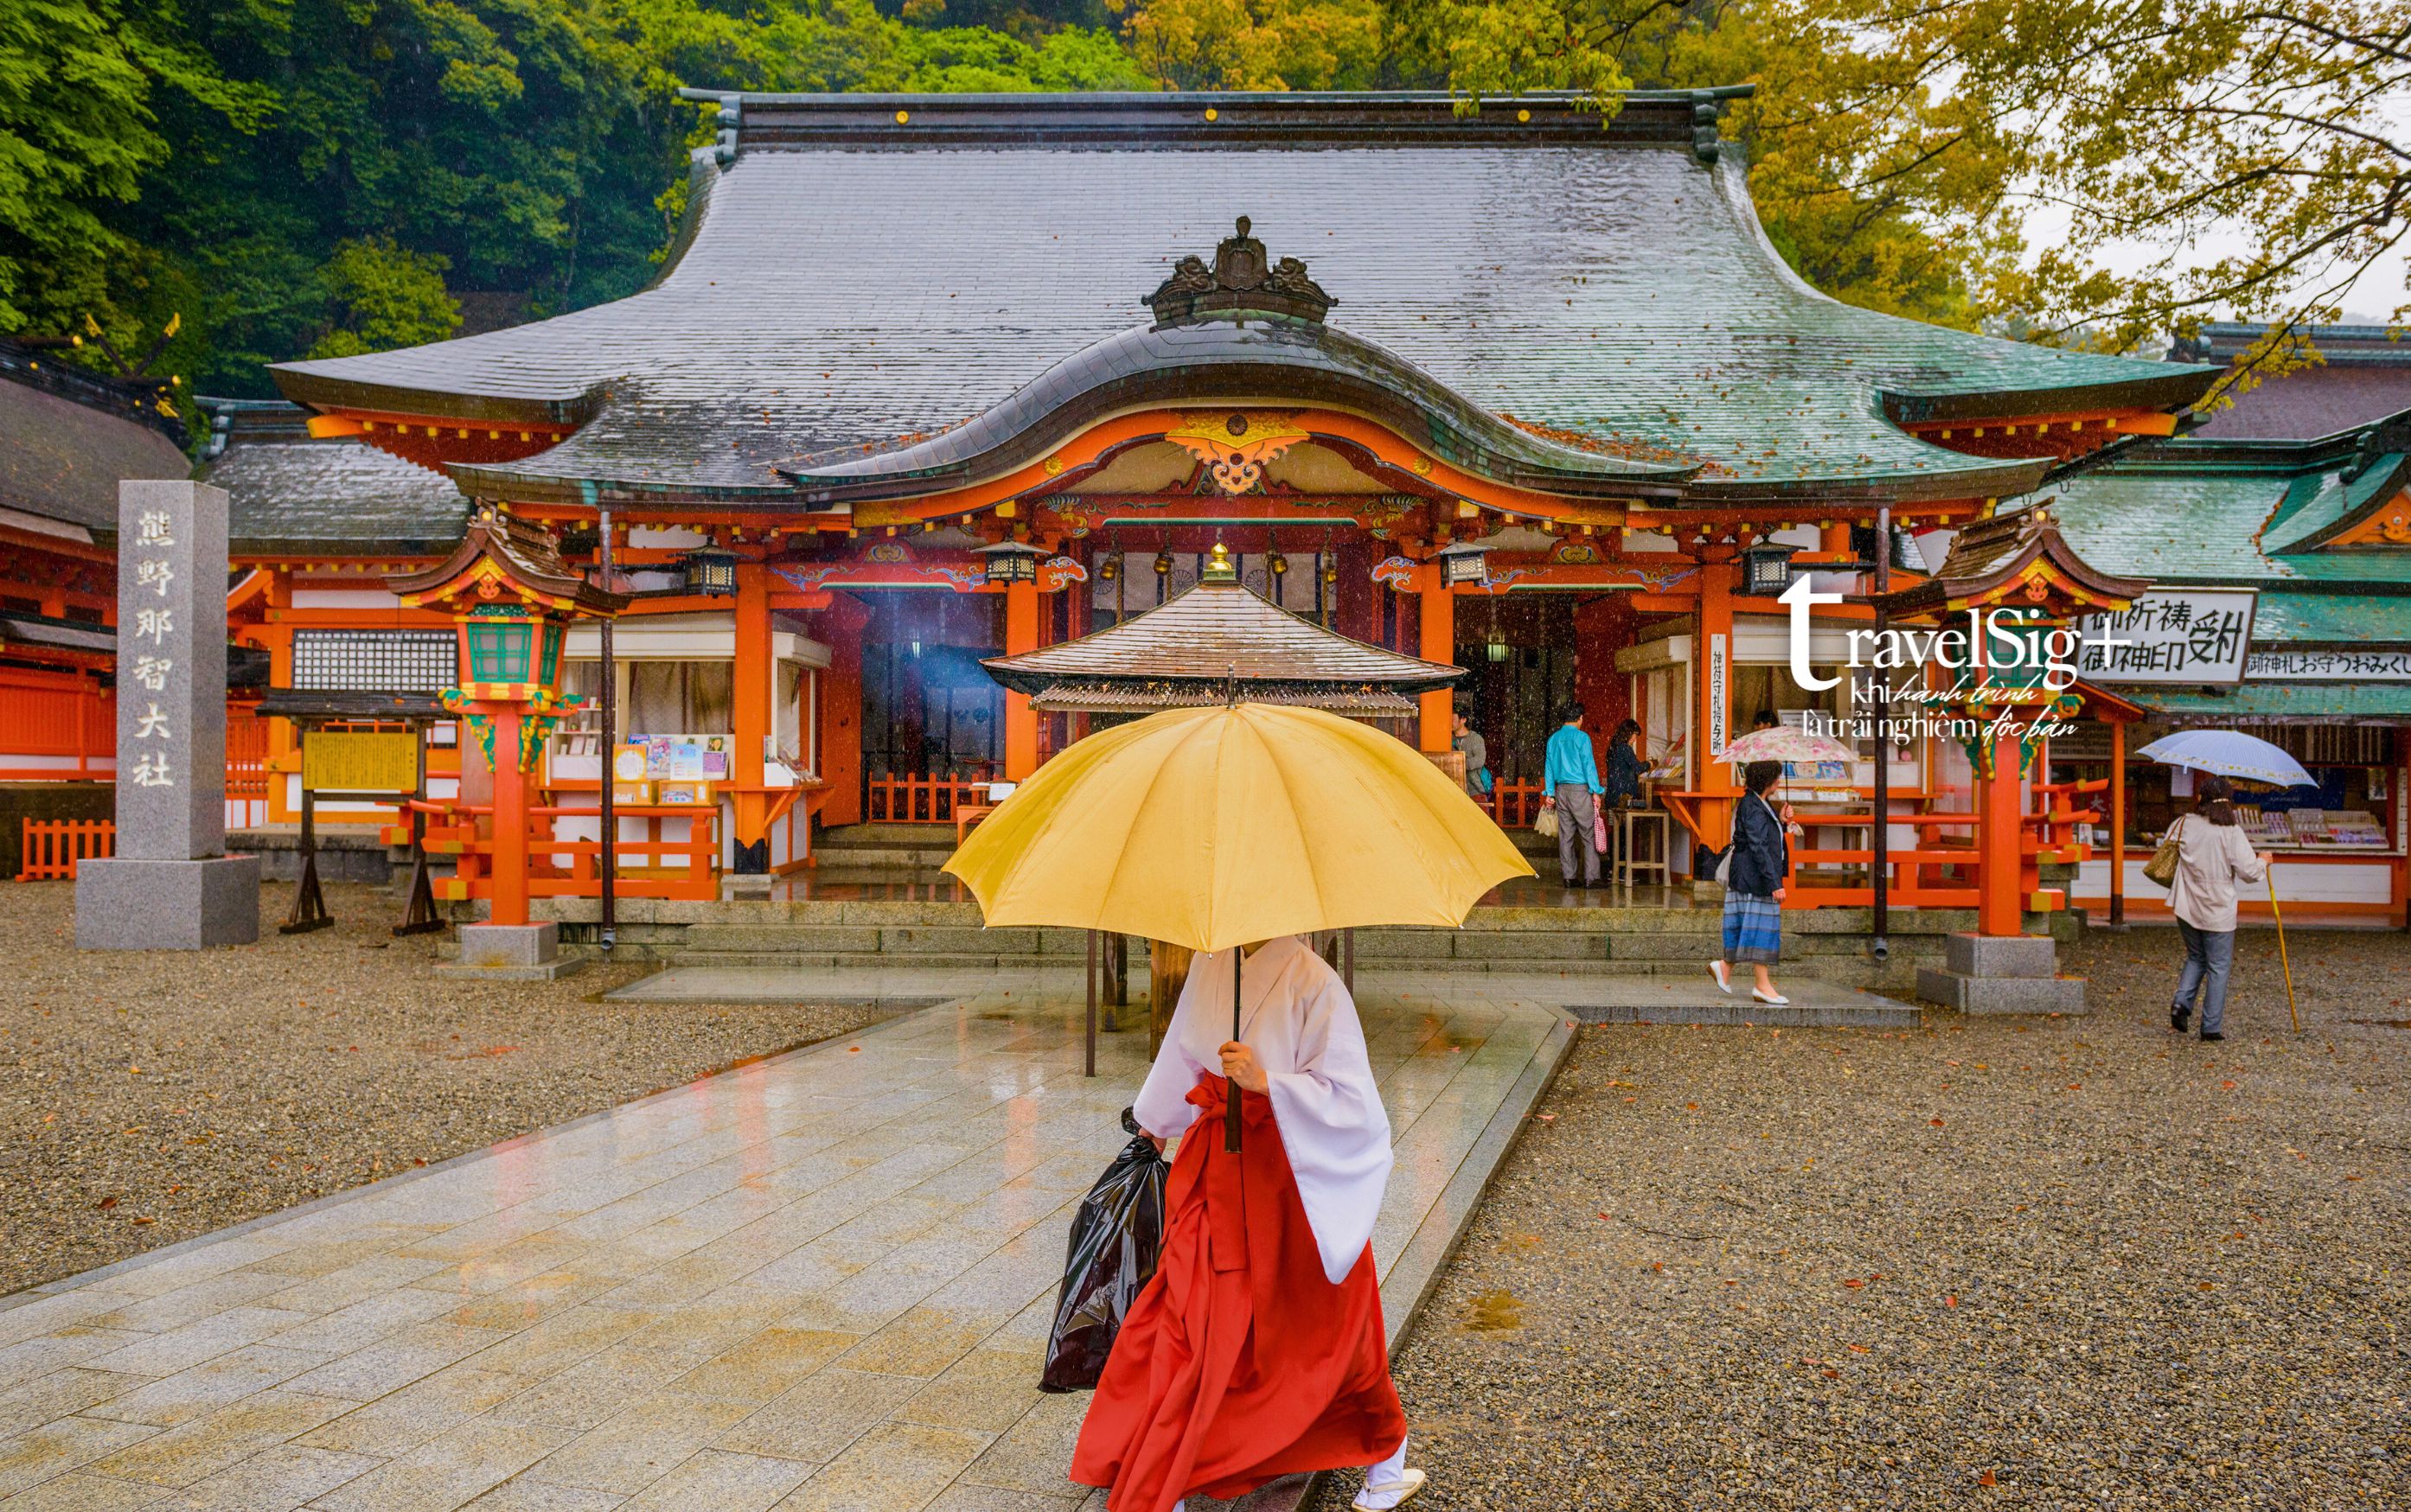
(1257, 1350)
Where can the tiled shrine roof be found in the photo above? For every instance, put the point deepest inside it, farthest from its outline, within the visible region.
(866, 271)
(292, 494)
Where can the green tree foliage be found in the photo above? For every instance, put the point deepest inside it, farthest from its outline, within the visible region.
(384, 296)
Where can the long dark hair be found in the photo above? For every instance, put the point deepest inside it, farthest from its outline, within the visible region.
(1626, 731)
(2214, 799)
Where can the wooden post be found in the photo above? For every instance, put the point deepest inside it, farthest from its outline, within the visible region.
(309, 902)
(1999, 824)
(1438, 644)
(510, 821)
(1167, 973)
(1712, 712)
(1090, 1062)
(2117, 822)
(754, 683)
(1021, 720)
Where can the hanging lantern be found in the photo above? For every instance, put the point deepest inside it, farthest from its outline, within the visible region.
(1464, 562)
(1111, 568)
(710, 572)
(1496, 649)
(1163, 562)
(1011, 561)
(1766, 569)
(1276, 564)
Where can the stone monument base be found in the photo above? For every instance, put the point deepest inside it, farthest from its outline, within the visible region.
(2001, 974)
(509, 953)
(129, 905)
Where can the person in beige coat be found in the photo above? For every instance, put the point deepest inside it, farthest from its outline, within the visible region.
(2213, 855)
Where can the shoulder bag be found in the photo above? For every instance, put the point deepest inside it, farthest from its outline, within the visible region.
(2161, 870)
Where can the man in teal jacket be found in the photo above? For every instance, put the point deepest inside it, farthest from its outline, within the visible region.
(1571, 775)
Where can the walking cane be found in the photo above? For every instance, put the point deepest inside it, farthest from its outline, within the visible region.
(2288, 965)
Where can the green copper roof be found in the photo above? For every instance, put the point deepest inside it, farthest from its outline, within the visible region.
(2199, 511)
(2332, 618)
(2285, 702)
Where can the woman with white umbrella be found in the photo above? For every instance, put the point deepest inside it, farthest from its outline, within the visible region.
(2212, 856)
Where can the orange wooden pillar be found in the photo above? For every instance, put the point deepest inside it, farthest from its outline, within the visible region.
(752, 686)
(1438, 644)
(840, 712)
(510, 821)
(1712, 700)
(1999, 826)
(2117, 822)
(1021, 720)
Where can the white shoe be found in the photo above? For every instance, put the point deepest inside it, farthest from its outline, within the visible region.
(1778, 1000)
(1397, 1492)
(1723, 974)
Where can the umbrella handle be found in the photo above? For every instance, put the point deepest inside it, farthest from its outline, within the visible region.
(2283, 959)
(1231, 1101)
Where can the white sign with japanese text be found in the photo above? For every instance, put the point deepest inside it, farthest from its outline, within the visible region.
(2195, 636)
(2346, 665)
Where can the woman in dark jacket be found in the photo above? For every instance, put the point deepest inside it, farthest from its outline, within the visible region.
(1761, 859)
(1623, 766)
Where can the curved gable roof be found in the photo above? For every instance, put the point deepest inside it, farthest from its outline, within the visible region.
(873, 270)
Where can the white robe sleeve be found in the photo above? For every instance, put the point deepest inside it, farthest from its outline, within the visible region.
(1332, 1126)
(1162, 1107)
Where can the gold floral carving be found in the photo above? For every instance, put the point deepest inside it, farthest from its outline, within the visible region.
(1235, 445)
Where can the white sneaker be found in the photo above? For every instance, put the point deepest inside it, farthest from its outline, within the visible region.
(1397, 1492)
(1723, 974)
(1776, 999)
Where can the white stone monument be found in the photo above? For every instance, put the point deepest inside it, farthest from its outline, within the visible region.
(171, 885)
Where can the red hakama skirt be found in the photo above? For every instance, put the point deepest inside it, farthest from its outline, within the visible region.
(1240, 1362)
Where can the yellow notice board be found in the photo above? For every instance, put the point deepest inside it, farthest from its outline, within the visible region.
(360, 761)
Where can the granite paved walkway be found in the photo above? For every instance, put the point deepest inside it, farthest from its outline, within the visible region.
(819, 1283)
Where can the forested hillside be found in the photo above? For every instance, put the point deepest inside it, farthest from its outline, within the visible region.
(284, 177)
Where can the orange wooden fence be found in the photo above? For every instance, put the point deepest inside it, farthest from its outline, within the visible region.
(920, 799)
(54, 846)
(58, 717)
(683, 867)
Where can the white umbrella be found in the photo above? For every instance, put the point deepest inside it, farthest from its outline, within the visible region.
(2229, 753)
(2233, 753)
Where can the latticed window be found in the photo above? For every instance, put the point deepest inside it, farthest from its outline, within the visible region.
(498, 652)
(374, 661)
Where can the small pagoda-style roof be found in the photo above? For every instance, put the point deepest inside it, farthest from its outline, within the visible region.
(1186, 651)
(2017, 558)
(501, 553)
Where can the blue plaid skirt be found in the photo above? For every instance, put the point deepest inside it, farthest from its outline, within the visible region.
(1753, 929)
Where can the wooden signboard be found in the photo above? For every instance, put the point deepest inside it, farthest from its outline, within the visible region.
(354, 761)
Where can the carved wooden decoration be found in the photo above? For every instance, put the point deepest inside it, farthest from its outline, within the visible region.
(1235, 444)
(1242, 282)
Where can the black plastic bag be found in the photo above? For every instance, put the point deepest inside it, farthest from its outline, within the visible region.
(1117, 1240)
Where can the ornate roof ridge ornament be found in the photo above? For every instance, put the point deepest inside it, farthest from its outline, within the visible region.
(1242, 282)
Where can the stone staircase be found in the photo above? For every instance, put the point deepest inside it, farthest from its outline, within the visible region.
(1605, 941)
(863, 853)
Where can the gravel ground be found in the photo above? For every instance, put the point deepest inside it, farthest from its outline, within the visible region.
(149, 1098)
(2044, 1263)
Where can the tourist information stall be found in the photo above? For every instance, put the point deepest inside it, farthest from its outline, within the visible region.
(2281, 607)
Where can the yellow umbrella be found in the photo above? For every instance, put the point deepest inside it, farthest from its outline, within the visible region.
(1216, 827)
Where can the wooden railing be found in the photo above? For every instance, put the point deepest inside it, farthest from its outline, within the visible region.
(1513, 804)
(54, 846)
(1932, 873)
(683, 866)
(2054, 822)
(919, 800)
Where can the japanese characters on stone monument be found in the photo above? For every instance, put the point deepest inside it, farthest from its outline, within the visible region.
(171, 886)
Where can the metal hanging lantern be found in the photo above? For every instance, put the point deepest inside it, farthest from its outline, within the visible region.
(1011, 561)
(1766, 569)
(1462, 563)
(710, 572)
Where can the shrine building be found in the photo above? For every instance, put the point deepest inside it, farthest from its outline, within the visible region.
(932, 382)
